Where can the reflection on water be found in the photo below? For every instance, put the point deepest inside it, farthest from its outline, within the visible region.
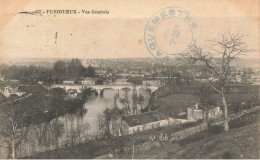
(97, 104)
(75, 128)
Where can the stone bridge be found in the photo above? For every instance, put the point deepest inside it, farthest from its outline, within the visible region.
(101, 88)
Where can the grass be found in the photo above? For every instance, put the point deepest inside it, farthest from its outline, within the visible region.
(172, 105)
(237, 143)
(240, 142)
(81, 151)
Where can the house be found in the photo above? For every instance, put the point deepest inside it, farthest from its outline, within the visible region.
(68, 82)
(194, 114)
(19, 93)
(40, 82)
(8, 91)
(214, 112)
(140, 122)
(2, 78)
(88, 81)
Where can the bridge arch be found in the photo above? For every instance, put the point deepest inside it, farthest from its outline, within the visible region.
(97, 91)
(125, 88)
(108, 88)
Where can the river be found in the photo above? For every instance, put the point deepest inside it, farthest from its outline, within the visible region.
(79, 127)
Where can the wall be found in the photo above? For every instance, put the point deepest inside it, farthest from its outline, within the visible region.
(152, 125)
(194, 114)
(87, 82)
(68, 82)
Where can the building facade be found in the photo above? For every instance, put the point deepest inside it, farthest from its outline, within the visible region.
(153, 82)
(142, 122)
(88, 81)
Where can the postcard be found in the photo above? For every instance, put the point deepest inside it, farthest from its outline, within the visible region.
(113, 79)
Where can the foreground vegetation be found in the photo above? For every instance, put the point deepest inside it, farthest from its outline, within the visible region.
(240, 142)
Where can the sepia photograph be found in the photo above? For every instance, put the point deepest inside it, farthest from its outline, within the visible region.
(113, 79)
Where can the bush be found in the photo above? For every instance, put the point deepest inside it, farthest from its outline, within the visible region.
(245, 120)
(227, 155)
(212, 130)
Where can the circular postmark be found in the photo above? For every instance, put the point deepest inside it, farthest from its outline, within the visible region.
(169, 32)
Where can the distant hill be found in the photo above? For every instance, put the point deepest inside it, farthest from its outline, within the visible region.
(240, 62)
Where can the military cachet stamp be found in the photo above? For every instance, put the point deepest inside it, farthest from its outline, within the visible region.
(169, 32)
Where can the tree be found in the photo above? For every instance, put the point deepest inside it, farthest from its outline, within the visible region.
(178, 78)
(101, 125)
(85, 94)
(76, 69)
(60, 68)
(114, 114)
(57, 101)
(216, 58)
(125, 101)
(90, 71)
(140, 101)
(14, 125)
(110, 118)
(134, 97)
(204, 96)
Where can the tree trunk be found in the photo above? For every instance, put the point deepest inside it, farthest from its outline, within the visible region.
(114, 149)
(203, 114)
(226, 127)
(133, 149)
(13, 149)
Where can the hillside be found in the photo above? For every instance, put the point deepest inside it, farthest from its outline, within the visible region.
(242, 142)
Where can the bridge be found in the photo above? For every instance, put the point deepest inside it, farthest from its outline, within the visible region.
(100, 88)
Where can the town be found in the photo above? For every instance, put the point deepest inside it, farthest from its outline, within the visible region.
(66, 103)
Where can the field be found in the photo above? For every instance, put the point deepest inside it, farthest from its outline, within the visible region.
(173, 104)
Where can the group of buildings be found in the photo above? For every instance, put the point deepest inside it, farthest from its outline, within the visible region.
(131, 124)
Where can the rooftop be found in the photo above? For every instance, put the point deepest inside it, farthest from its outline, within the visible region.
(144, 118)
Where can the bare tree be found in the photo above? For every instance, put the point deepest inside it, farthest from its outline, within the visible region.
(134, 97)
(216, 57)
(140, 101)
(13, 126)
(101, 125)
(125, 101)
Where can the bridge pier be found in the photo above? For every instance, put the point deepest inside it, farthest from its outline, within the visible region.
(117, 92)
(97, 92)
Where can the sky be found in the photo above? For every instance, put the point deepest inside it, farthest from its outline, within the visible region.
(119, 34)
